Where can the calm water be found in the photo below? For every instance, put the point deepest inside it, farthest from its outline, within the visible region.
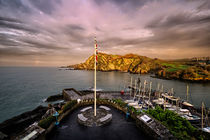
(24, 88)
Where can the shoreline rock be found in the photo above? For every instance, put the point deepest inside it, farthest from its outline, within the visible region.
(17, 124)
(54, 98)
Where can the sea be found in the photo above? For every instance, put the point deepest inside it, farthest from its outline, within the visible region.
(24, 88)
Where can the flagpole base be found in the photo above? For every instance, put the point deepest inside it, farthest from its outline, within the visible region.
(86, 116)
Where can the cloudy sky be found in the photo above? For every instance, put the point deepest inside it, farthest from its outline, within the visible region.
(61, 32)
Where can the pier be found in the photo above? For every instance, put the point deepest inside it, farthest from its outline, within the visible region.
(72, 94)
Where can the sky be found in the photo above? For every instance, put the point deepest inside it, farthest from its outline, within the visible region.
(61, 32)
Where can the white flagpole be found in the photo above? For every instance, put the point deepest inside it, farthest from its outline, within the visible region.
(95, 81)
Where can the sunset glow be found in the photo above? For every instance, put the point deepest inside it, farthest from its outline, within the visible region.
(61, 32)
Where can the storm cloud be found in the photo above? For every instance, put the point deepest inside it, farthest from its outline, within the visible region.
(61, 32)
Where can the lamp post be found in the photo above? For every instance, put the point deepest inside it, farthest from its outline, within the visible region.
(56, 114)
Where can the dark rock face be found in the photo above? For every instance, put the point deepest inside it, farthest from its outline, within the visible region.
(15, 125)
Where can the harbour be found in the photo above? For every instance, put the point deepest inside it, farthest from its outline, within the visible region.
(146, 124)
(33, 90)
(144, 100)
(107, 70)
(133, 97)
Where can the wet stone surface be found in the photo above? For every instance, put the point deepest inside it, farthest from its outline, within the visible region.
(101, 117)
(94, 120)
(118, 129)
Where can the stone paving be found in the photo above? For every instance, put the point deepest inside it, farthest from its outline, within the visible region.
(87, 117)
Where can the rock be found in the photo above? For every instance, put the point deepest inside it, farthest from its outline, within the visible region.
(141, 64)
(15, 125)
(54, 98)
(127, 63)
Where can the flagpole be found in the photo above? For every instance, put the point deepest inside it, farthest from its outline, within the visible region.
(95, 79)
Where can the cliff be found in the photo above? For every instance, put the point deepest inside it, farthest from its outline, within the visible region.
(127, 63)
(181, 70)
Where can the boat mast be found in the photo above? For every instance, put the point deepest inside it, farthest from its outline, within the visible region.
(95, 77)
(139, 91)
(177, 104)
(172, 91)
(134, 91)
(158, 90)
(202, 115)
(144, 89)
(150, 88)
(131, 87)
(187, 91)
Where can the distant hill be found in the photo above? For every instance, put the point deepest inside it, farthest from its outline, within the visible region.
(128, 63)
(182, 70)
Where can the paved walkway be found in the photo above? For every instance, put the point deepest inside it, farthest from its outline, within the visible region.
(103, 94)
(118, 129)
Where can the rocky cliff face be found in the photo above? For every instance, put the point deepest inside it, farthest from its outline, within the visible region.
(127, 63)
(141, 64)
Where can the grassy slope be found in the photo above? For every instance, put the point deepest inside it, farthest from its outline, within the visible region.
(171, 66)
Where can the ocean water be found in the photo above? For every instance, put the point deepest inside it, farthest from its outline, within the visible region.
(24, 88)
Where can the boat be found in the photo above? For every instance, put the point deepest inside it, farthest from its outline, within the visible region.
(133, 103)
(192, 118)
(148, 102)
(186, 103)
(138, 107)
(92, 89)
(129, 101)
(206, 129)
(159, 101)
